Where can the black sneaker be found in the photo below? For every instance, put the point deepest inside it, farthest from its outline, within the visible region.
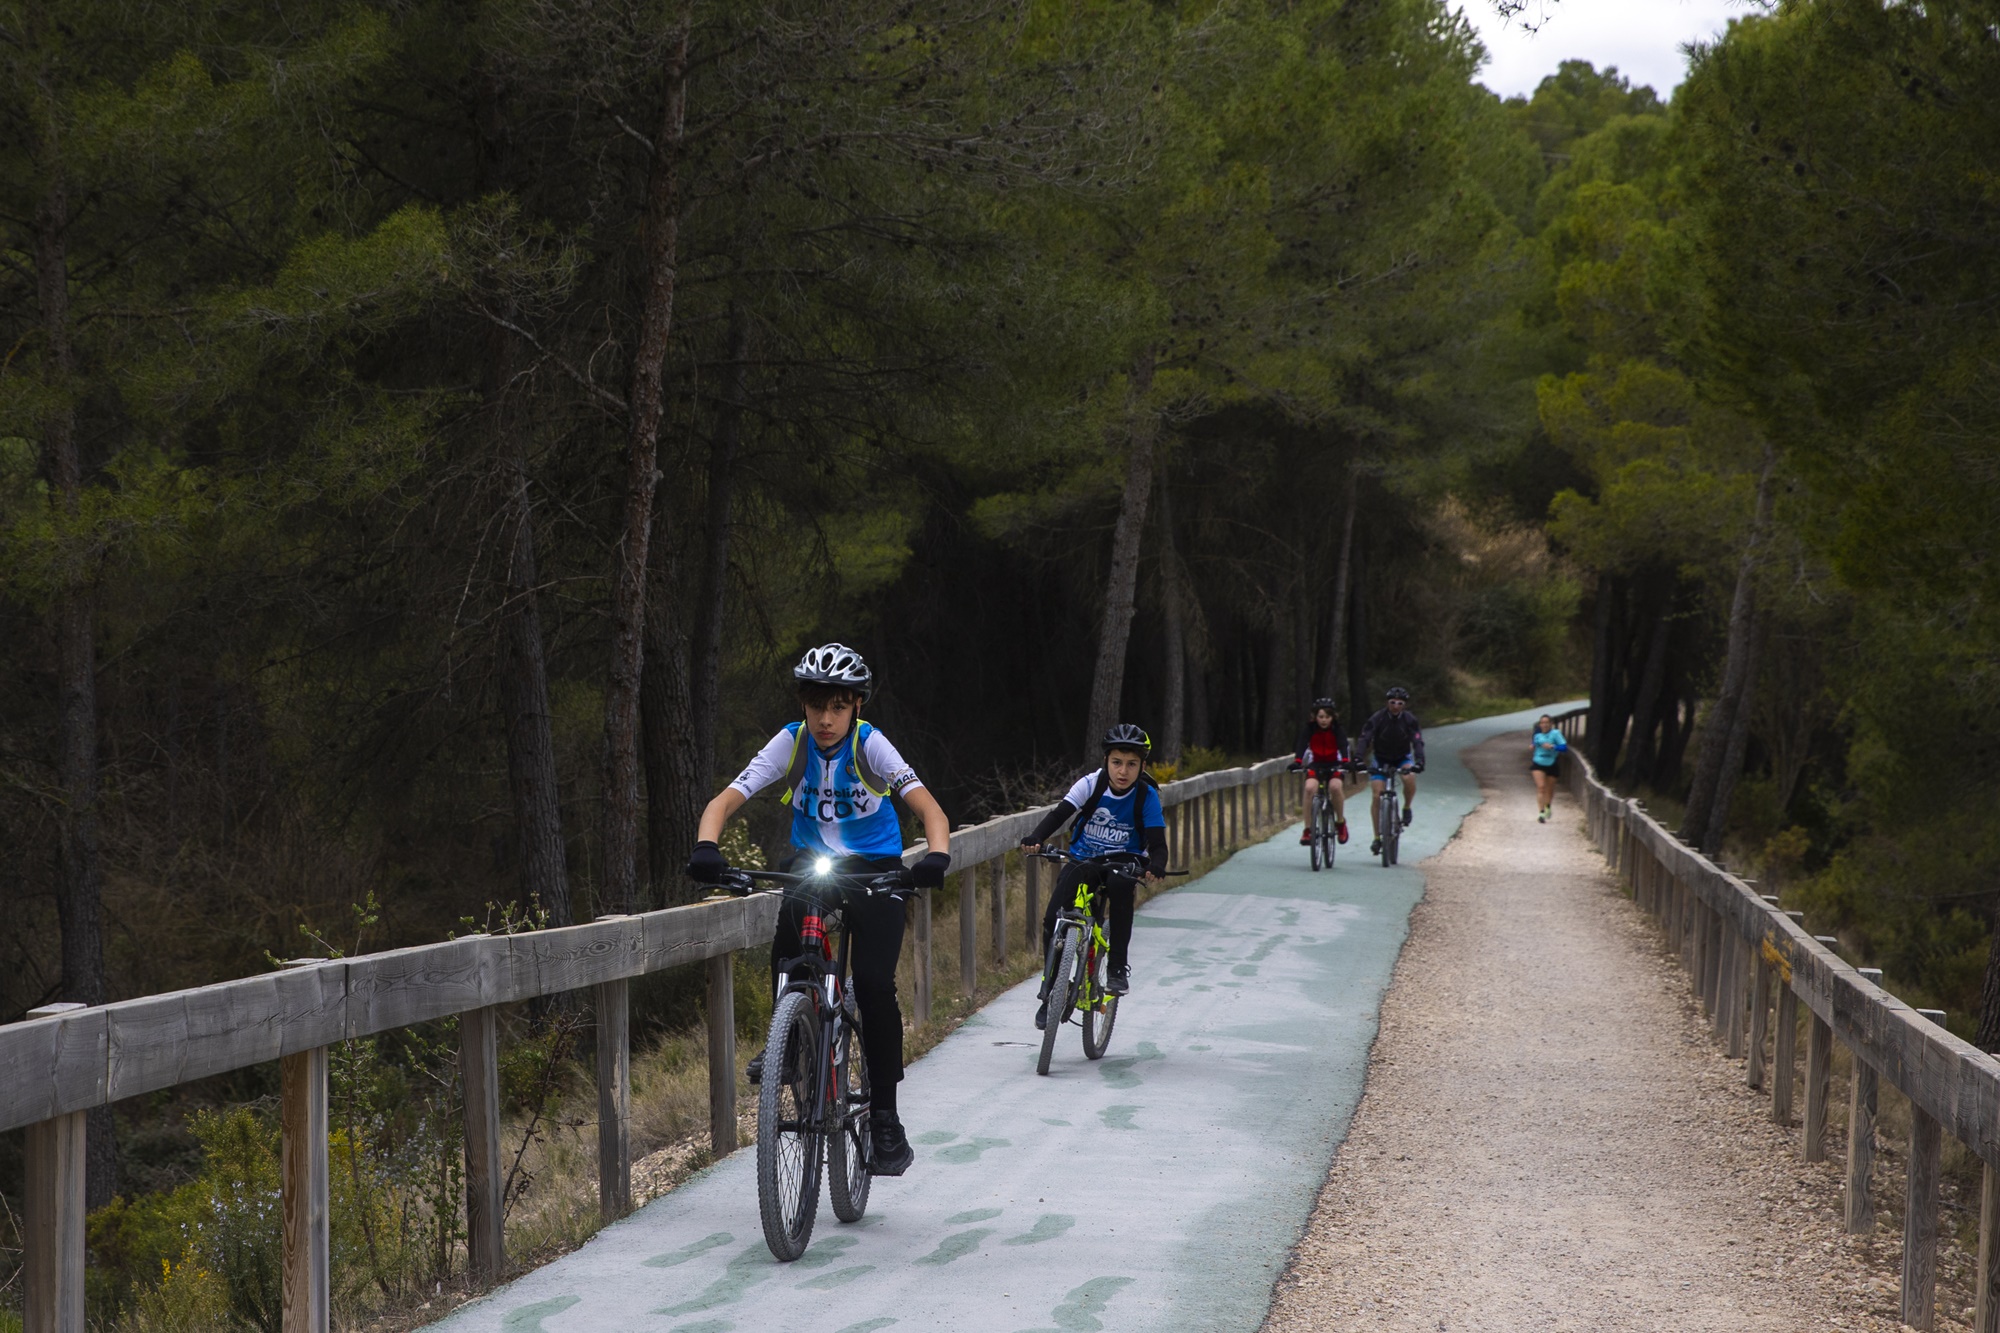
(1120, 981)
(755, 1073)
(1042, 1016)
(1375, 847)
(893, 1153)
(1408, 815)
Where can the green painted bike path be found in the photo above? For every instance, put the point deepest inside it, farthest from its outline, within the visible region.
(1160, 1188)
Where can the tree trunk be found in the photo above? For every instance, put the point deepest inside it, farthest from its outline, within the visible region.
(706, 686)
(1646, 706)
(1108, 681)
(1201, 723)
(1601, 671)
(1624, 669)
(1732, 753)
(1278, 712)
(1174, 619)
(1305, 637)
(646, 404)
(1357, 644)
(79, 863)
(1329, 679)
(674, 786)
(524, 674)
(1720, 719)
(1987, 1038)
(1685, 705)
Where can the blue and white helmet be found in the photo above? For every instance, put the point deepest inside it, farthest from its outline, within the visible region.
(835, 664)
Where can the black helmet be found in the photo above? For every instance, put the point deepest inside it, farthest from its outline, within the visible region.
(1398, 692)
(1126, 736)
(835, 664)
(1328, 704)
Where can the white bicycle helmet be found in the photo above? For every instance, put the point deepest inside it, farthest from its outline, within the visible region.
(835, 664)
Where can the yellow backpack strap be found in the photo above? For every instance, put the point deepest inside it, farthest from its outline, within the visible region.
(795, 771)
(863, 770)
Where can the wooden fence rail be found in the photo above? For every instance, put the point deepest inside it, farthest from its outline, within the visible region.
(64, 1059)
(1743, 954)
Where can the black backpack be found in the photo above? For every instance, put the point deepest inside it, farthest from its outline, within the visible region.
(1103, 784)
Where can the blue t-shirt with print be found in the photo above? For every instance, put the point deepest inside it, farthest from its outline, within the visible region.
(1118, 823)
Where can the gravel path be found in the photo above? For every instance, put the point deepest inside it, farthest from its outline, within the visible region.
(1548, 1139)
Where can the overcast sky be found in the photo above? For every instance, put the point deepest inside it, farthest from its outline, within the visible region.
(1643, 38)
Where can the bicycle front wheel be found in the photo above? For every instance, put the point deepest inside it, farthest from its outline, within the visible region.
(790, 1126)
(1061, 964)
(847, 1145)
(1327, 837)
(1392, 832)
(1314, 841)
(1100, 1007)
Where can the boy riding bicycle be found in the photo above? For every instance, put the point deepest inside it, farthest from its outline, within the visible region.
(838, 773)
(1392, 743)
(1117, 809)
(1322, 752)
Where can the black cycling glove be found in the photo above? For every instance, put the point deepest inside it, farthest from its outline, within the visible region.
(706, 866)
(928, 872)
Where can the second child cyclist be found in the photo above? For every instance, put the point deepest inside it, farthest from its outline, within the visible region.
(1117, 809)
(838, 774)
(1392, 744)
(1321, 751)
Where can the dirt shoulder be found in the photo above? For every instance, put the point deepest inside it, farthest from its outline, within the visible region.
(1549, 1139)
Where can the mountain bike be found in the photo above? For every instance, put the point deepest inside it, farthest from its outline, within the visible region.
(1389, 828)
(812, 1106)
(1074, 975)
(1322, 824)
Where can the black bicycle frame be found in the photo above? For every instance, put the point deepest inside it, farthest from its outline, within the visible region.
(814, 929)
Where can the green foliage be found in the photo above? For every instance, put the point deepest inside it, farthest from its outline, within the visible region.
(206, 1255)
(1198, 759)
(207, 1250)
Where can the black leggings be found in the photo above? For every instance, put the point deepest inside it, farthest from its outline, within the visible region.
(877, 926)
(1120, 895)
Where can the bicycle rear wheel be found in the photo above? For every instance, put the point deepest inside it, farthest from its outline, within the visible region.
(1100, 1007)
(790, 1127)
(847, 1144)
(1062, 963)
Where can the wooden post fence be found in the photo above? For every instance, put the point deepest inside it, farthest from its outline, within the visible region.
(1742, 949)
(997, 884)
(722, 1054)
(64, 1059)
(479, 1074)
(968, 931)
(53, 1216)
(614, 1100)
(305, 1273)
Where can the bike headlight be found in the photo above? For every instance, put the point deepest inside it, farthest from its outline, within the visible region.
(823, 866)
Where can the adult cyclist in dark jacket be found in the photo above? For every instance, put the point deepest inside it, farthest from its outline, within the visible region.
(1391, 743)
(1322, 751)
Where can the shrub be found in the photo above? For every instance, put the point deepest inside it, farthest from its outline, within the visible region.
(1201, 759)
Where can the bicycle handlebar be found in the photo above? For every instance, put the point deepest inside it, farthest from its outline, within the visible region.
(1133, 859)
(742, 882)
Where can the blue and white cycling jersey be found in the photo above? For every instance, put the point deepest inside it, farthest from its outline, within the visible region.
(834, 810)
(1119, 823)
